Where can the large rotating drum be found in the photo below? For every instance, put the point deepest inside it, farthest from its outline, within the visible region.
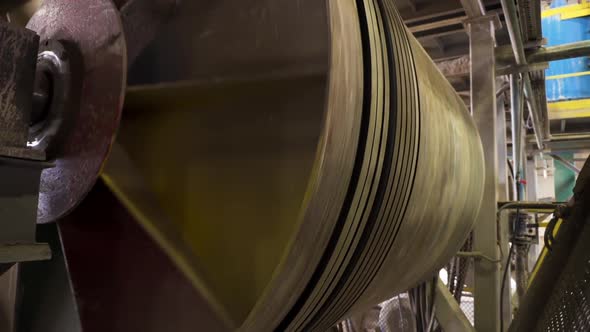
(299, 160)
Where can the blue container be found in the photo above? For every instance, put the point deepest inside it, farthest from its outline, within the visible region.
(557, 32)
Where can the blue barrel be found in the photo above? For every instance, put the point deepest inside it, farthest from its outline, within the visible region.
(559, 31)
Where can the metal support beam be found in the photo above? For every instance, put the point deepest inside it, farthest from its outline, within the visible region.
(437, 24)
(531, 179)
(514, 31)
(484, 108)
(10, 253)
(516, 122)
(563, 143)
(546, 54)
(448, 313)
(518, 69)
(565, 51)
(473, 8)
(505, 55)
(502, 180)
(50, 281)
(459, 67)
(502, 194)
(531, 195)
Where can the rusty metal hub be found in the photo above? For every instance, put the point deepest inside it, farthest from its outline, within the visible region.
(88, 116)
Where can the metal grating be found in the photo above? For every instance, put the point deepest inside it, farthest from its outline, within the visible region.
(396, 315)
(557, 297)
(530, 16)
(568, 308)
(468, 307)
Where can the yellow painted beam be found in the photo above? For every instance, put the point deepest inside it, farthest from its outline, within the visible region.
(569, 105)
(570, 109)
(562, 115)
(575, 14)
(556, 77)
(544, 252)
(568, 12)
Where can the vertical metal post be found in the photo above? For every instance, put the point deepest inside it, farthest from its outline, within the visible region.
(503, 195)
(502, 180)
(531, 196)
(531, 179)
(483, 105)
(516, 115)
(8, 298)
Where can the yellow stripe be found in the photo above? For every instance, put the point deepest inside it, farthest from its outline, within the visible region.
(544, 253)
(571, 11)
(556, 77)
(562, 115)
(576, 14)
(569, 105)
(571, 109)
(540, 210)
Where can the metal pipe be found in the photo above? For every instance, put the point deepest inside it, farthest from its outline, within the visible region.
(514, 31)
(513, 26)
(521, 143)
(570, 137)
(565, 142)
(528, 205)
(533, 110)
(515, 115)
(560, 52)
(545, 54)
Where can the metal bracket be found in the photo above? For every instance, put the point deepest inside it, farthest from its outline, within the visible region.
(518, 69)
(448, 313)
(13, 253)
(477, 255)
(495, 18)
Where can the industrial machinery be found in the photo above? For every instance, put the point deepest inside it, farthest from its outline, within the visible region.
(258, 165)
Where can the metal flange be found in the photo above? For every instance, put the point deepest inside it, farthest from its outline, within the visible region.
(91, 33)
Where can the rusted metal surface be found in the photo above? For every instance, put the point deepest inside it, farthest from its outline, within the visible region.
(121, 278)
(18, 55)
(142, 20)
(92, 33)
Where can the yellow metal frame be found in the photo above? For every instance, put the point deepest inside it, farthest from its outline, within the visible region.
(569, 109)
(544, 252)
(568, 12)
